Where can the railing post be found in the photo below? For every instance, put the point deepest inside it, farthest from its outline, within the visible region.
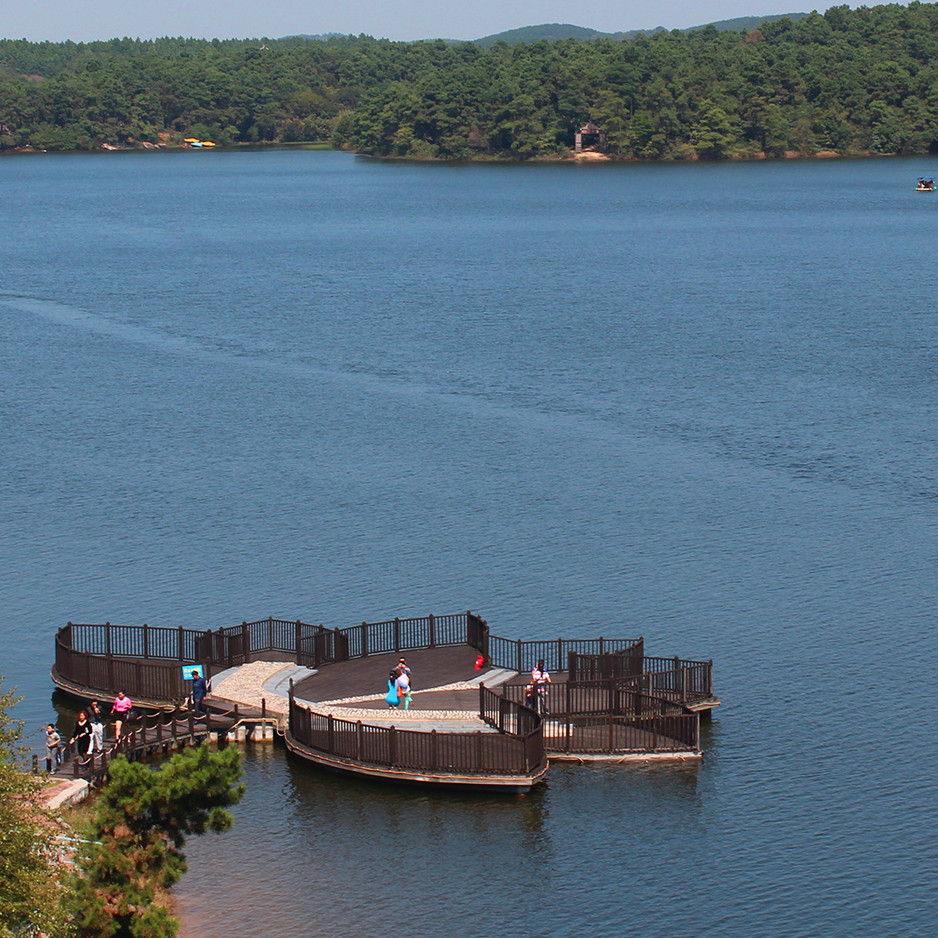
(359, 732)
(432, 631)
(478, 752)
(683, 685)
(433, 751)
(331, 734)
(146, 640)
(107, 639)
(519, 669)
(559, 655)
(296, 641)
(270, 633)
(364, 639)
(245, 644)
(392, 746)
(710, 678)
(180, 644)
(397, 634)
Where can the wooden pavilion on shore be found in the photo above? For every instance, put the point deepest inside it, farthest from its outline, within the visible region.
(472, 724)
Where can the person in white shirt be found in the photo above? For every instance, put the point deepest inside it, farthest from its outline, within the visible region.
(540, 678)
(403, 688)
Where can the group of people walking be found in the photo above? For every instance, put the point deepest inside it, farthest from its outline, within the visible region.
(399, 689)
(88, 734)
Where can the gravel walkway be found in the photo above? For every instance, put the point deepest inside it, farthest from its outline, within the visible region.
(245, 686)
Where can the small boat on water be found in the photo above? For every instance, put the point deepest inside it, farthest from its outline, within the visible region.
(925, 184)
(196, 144)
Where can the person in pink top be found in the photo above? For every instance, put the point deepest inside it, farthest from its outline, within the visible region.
(120, 709)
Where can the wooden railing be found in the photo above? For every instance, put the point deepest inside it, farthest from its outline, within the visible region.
(98, 656)
(167, 729)
(315, 645)
(676, 678)
(664, 733)
(509, 752)
(687, 681)
(619, 715)
(397, 635)
(153, 678)
(523, 656)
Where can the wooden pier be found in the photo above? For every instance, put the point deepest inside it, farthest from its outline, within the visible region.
(159, 733)
(470, 726)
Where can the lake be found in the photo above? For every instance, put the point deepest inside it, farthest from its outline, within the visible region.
(691, 402)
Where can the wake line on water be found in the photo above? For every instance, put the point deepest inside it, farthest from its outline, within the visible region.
(530, 413)
(244, 357)
(281, 364)
(548, 415)
(100, 325)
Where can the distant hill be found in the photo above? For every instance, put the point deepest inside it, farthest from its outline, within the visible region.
(549, 31)
(554, 31)
(321, 36)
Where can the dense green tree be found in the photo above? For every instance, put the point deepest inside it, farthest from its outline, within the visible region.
(855, 81)
(30, 897)
(136, 838)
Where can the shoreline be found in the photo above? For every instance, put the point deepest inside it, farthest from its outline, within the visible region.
(589, 156)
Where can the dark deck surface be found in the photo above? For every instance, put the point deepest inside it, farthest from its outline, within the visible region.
(429, 667)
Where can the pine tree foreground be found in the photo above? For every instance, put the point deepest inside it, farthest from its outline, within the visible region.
(136, 838)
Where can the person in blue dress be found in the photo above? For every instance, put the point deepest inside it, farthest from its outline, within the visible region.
(391, 696)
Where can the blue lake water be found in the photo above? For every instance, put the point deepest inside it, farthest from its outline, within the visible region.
(692, 402)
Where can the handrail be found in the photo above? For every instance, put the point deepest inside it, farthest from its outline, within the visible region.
(506, 753)
(238, 643)
(310, 645)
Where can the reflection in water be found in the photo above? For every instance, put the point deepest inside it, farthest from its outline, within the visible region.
(310, 847)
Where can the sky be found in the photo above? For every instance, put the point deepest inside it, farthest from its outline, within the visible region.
(404, 20)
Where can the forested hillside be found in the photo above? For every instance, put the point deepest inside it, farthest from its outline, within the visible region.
(848, 81)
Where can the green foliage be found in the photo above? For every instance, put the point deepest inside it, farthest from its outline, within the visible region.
(138, 831)
(855, 81)
(30, 898)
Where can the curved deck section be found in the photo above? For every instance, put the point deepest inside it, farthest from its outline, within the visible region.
(608, 700)
(508, 783)
(507, 754)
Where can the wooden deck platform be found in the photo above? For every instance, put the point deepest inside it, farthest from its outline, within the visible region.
(325, 689)
(430, 668)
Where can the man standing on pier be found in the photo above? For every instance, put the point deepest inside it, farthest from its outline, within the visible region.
(199, 690)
